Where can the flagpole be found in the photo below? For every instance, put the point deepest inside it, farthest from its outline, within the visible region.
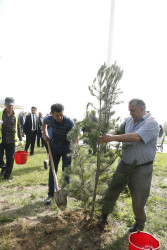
(110, 36)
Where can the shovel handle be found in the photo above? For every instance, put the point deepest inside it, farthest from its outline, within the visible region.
(53, 167)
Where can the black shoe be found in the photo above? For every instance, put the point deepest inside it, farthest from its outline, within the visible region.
(136, 227)
(103, 219)
(48, 200)
(8, 179)
(3, 165)
(2, 172)
(31, 153)
(45, 165)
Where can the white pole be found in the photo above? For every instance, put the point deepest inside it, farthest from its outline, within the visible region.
(110, 37)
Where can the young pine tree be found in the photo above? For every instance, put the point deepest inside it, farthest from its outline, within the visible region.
(92, 163)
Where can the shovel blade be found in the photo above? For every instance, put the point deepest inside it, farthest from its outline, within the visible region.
(60, 199)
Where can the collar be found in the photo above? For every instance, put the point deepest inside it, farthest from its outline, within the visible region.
(6, 112)
(146, 116)
(61, 122)
(142, 119)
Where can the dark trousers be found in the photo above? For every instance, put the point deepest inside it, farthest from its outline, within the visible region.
(9, 150)
(59, 151)
(138, 179)
(46, 146)
(2, 163)
(30, 141)
(40, 139)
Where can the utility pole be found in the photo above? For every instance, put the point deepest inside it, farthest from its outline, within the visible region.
(110, 37)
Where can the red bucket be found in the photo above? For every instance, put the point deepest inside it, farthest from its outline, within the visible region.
(141, 240)
(21, 157)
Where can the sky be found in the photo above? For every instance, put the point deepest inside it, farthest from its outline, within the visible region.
(50, 52)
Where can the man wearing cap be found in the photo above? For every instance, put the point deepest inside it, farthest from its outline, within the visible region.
(9, 130)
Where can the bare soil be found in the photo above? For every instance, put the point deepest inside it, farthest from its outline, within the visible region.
(45, 227)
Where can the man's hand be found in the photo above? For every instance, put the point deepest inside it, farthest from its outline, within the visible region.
(46, 138)
(105, 138)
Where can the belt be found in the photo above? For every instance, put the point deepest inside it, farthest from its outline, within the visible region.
(147, 163)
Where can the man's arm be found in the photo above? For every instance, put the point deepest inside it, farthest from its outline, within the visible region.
(45, 131)
(130, 137)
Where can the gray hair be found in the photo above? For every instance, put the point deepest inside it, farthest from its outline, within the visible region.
(138, 102)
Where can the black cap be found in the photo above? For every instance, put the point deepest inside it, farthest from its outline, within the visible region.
(9, 101)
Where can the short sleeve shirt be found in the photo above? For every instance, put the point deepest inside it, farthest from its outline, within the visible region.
(59, 130)
(143, 151)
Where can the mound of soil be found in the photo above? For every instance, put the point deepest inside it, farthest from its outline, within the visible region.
(64, 231)
(33, 225)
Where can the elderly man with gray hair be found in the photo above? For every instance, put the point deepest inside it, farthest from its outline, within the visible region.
(135, 168)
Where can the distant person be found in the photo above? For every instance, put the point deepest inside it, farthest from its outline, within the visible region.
(60, 146)
(9, 134)
(22, 119)
(161, 131)
(30, 128)
(40, 139)
(136, 165)
(74, 120)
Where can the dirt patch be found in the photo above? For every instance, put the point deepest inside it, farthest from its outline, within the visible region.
(33, 225)
(67, 230)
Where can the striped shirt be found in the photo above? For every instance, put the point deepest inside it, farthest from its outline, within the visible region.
(59, 130)
(143, 151)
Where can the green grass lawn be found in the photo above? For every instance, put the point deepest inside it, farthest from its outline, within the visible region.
(33, 178)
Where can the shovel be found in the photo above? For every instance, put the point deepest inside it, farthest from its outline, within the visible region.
(59, 195)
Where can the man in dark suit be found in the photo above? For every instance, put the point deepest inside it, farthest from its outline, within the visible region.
(39, 133)
(30, 128)
(22, 119)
